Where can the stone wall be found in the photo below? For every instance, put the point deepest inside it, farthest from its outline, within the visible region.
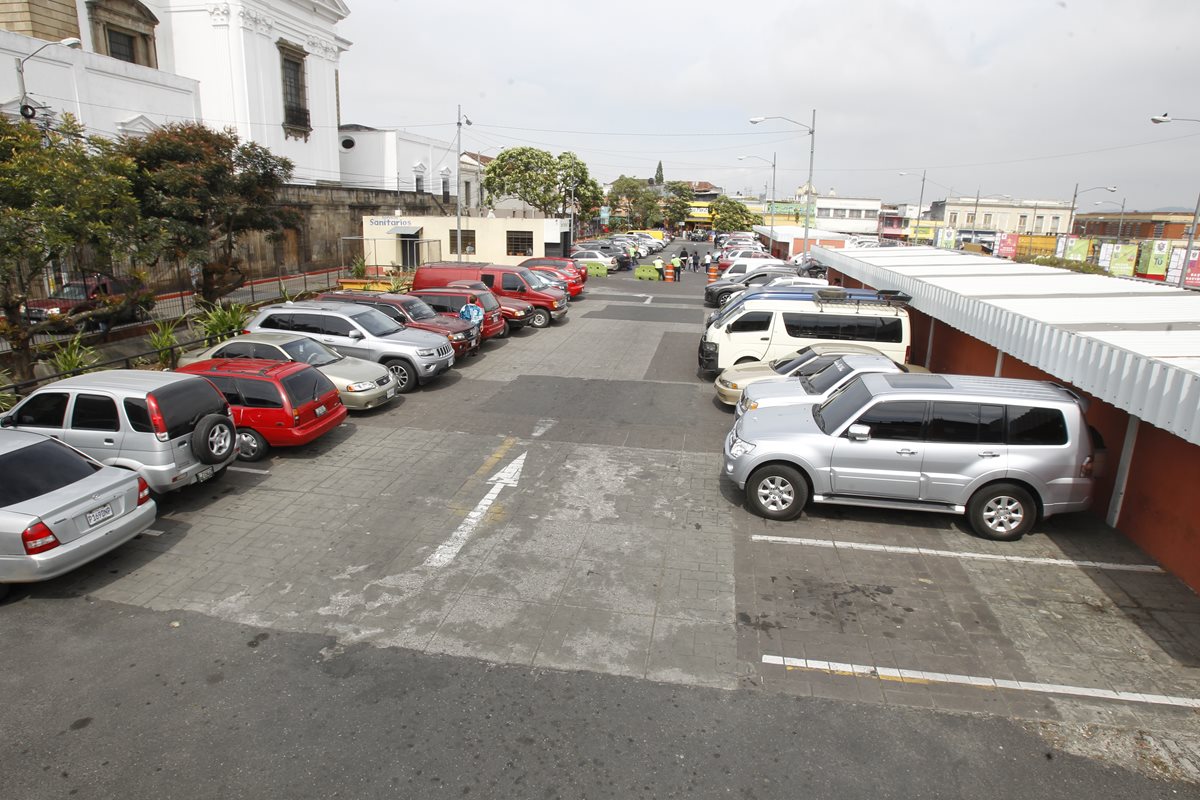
(42, 19)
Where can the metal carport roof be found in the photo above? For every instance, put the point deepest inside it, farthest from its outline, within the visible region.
(1135, 344)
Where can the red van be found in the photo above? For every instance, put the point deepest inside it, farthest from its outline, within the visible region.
(449, 300)
(274, 403)
(413, 312)
(518, 282)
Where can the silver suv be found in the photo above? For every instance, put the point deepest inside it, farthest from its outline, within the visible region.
(413, 356)
(826, 377)
(171, 429)
(1001, 451)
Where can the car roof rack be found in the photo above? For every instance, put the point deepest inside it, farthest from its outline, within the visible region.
(836, 294)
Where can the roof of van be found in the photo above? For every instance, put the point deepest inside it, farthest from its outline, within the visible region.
(340, 306)
(120, 379)
(967, 387)
(473, 265)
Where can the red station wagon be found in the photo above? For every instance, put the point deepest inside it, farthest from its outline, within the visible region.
(416, 313)
(274, 403)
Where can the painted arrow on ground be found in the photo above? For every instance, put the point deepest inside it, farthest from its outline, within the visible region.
(509, 476)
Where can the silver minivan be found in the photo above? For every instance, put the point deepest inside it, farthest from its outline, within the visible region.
(171, 429)
(1001, 451)
(413, 356)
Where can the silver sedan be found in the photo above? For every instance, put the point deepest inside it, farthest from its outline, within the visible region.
(59, 508)
(360, 383)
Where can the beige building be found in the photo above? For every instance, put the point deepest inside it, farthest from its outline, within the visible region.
(1004, 215)
(408, 241)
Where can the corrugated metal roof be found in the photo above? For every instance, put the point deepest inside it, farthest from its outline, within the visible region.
(1130, 343)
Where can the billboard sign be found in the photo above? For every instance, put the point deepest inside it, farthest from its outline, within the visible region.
(1155, 257)
(1123, 259)
(1006, 245)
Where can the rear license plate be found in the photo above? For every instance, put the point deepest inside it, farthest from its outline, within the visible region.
(96, 516)
(320, 410)
(205, 474)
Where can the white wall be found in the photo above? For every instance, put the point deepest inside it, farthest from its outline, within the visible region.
(491, 236)
(108, 96)
(387, 159)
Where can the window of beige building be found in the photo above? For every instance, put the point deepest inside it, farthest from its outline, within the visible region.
(519, 243)
(468, 240)
(124, 30)
(987, 220)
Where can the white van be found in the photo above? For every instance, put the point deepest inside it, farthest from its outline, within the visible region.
(773, 323)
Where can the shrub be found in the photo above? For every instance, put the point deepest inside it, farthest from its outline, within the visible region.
(8, 395)
(358, 267)
(218, 323)
(74, 357)
(163, 339)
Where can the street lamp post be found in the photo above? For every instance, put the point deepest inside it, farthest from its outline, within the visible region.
(920, 204)
(458, 185)
(812, 144)
(1071, 210)
(771, 205)
(1195, 215)
(27, 110)
(1120, 219)
(975, 224)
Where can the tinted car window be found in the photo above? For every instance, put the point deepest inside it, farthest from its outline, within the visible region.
(488, 279)
(1038, 426)
(966, 423)
(418, 309)
(335, 326)
(226, 387)
(40, 468)
(94, 412)
(277, 322)
(488, 302)
(901, 420)
(138, 415)
(827, 378)
(45, 410)
(183, 403)
(306, 351)
(375, 323)
(237, 350)
(436, 301)
(305, 386)
(387, 309)
(844, 326)
(751, 321)
(511, 283)
(307, 323)
(259, 394)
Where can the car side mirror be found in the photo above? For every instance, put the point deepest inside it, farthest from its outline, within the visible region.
(729, 328)
(356, 334)
(858, 433)
(521, 288)
(7, 421)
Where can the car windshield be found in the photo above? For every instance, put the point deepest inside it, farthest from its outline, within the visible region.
(842, 405)
(535, 280)
(733, 308)
(307, 351)
(786, 366)
(72, 291)
(376, 323)
(822, 380)
(418, 309)
(39, 469)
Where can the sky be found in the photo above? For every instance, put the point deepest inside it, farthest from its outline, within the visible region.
(1025, 98)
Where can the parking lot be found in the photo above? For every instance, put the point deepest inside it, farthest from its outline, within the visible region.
(557, 502)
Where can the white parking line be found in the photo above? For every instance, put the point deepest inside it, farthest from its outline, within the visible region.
(250, 470)
(152, 532)
(924, 551)
(922, 676)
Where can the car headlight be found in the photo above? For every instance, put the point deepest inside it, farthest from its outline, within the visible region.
(427, 352)
(53, 310)
(708, 347)
(739, 448)
(361, 386)
(458, 337)
(727, 384)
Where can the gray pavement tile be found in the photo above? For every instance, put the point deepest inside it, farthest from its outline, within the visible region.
(520, 575)
(492, 628)
(595, 639)
(616, 587)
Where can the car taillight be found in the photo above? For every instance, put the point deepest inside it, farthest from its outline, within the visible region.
(143, 491)
(157, 421)
(908, 354)
(37, 538)
(245, 331)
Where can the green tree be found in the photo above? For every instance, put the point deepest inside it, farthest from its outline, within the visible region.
(732, 215)
(542, 180)
(658, 174)
(676, 206)
(203, 189)
(61, 193)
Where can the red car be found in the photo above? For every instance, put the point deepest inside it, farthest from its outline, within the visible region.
(274, 403)
(416, 313)
(517, 313)
(568, 265)
(573, 283)
(449, 300)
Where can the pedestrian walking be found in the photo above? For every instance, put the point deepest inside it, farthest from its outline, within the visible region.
(633, 256)
(676, 265)
(472, 313)
(683, 255)
(658, 265)
(707, 261)
(695, 261)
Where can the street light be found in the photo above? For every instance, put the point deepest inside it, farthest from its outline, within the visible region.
(920, 203)
(772, 204)
(975, 216)
(1071, 210)
(27, 110)
(458, 185)
(812, 144)
(1187, 254)
(1121, 219)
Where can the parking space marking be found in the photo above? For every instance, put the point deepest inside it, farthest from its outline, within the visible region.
(922, 676)
(251, 470)
(509, 476)
(542, 426)
(924, 551)
(152, 532)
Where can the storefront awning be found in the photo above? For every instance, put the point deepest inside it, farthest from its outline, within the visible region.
(405, 230)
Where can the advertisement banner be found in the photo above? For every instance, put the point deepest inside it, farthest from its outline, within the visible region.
(1155, 256)
(1104, 259)
(605, 213)
(1124, 257)
(1077, 249)
(1006, 245)
(946, 238)
(1193, 267)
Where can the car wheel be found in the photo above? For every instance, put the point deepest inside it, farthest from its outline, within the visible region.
(402, 371)
(505, 331)
(1003, 512)
(4, 588)
(212, 439)
(723, 298)
(777, 491)
(252, 445)
(541, 318)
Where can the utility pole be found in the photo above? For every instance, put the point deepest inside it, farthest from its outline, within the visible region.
(458, 185)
